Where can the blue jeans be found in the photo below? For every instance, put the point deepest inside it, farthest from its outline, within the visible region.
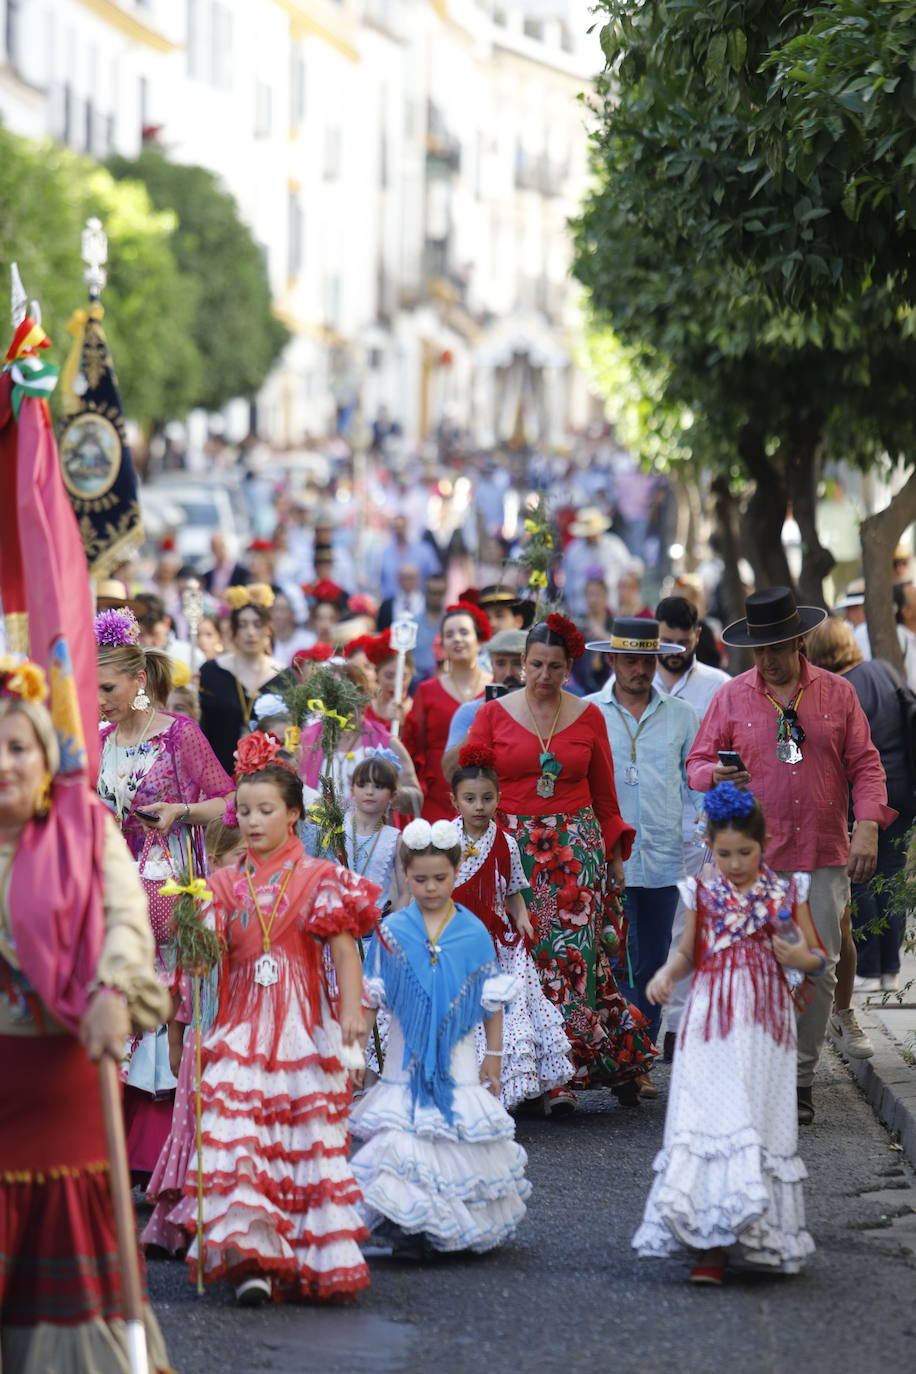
(650, 912)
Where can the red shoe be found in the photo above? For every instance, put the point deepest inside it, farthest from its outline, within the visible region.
(560, 1102)
(712, 1275)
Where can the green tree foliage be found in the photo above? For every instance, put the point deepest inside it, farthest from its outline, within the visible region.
(741, 293)
(46, 195)
(233, 325)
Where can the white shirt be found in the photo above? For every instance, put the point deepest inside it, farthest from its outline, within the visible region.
(697, 686)
(907, 641)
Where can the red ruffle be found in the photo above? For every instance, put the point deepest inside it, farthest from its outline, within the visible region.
(276, 1151)
(303, 1282)
(281, 1112)
(342, 1192)
(220, 1050)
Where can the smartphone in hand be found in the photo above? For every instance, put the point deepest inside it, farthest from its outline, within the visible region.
(150, 816)
(730, 758)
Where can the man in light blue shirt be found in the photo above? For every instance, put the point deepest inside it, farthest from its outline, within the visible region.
(650, 735)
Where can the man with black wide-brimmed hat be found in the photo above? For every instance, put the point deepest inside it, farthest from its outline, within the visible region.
(803, 741)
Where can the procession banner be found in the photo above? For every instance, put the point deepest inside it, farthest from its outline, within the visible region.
(95, 458)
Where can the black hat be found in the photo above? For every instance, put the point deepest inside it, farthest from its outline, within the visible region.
(632, 634)
(500, 595)
(772, 617)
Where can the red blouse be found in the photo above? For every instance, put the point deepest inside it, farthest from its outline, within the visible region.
(424, 737)
(586, 778)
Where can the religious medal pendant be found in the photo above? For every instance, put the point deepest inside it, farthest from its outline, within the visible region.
(266, 970)
(433, 952)
(631, 775)
(787, 751)
(545, 785)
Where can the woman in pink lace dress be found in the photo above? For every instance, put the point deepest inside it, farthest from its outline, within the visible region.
(162, 781)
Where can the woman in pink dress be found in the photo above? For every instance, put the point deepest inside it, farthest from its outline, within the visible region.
(464, 629)
(162, 781)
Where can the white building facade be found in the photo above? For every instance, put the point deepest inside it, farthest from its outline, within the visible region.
(408, 167)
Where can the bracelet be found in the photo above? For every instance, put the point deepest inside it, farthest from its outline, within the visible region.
(186, 818)
(819, 954)
(495, 1054)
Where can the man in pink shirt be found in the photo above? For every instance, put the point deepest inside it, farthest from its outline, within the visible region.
(803, 742)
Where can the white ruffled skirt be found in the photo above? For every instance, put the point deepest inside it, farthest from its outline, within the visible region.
(728, 1173)
(535, 1043)
(459, 1184)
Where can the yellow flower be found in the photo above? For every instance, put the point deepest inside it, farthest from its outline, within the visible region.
(181, 673)
(531, 527)
(196, 888)
(25, 679)
(258, 594)
(537, 579)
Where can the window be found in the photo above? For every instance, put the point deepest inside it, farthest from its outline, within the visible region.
(13, 35)
(296, 88)
(534, 28)
(221, 46)
(66, 131)
(332, 153)
(263, 109)
(296, 235)
(193, 37)
(89, 126)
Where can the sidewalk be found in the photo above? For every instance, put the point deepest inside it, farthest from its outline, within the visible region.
(888, 1079)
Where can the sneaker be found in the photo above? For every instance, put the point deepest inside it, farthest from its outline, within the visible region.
(849, 1035)
(253, 1293)
(890, 982)
(867, 984)
(805, 1098)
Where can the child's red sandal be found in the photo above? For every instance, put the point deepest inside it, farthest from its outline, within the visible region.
(712, 1275)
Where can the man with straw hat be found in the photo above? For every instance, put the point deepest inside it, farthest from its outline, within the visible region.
(801, 741)
(650, 735)
(592, 552)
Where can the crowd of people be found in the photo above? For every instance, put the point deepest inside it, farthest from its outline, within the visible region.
(560, 820)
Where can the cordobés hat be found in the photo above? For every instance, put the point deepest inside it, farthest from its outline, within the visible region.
(507, 642)
(631, 634)
(771, 617)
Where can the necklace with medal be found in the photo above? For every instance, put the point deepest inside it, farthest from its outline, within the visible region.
(790, 734)
(631, 772)
(433, 947)
(550, 764)
(266, 968)
(362, 853)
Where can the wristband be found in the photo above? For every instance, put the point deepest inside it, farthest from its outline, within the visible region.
(495, 1054)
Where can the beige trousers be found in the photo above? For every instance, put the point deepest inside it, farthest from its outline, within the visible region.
(827, 899)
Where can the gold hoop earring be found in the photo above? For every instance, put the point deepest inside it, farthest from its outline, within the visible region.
(43, 800)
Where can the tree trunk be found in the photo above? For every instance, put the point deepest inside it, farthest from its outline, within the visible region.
(765, 513)
(731, 593)
(802, 474)
(880, 534)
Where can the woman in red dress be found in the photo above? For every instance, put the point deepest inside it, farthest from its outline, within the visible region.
(557, 790)
(464, 629)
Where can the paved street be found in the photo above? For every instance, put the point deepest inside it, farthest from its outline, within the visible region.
(569, 1295)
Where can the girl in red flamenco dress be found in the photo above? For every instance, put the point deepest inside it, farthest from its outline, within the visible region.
(280, 1216)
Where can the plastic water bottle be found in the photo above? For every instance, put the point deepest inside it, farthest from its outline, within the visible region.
(787, 930)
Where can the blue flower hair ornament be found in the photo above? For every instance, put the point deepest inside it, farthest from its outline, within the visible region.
(726, 802)
(387, 754)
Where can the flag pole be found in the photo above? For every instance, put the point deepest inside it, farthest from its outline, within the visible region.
(125, 1229)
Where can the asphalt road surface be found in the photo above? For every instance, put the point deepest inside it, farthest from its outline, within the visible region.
(568, 1294)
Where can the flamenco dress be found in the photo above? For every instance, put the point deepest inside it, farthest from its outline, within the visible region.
(62, 1304)
(175, 765)
(440, 1166)
(536, 1050)
(728, 1173)
(279, 1194)
(564, 840)
(424, 736)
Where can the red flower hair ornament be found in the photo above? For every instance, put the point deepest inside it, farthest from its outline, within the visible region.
(479, 617)
(566, 630)
(318, 653)
(477, 756)
(254, 752)
(379, 648)
(358, 645)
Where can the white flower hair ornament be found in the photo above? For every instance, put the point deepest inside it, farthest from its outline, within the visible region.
(420, 835)
(270, 704)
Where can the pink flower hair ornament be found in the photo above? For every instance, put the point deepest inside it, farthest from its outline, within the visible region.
(118, 626)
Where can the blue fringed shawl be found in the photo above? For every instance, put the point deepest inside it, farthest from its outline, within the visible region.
(435, 1005)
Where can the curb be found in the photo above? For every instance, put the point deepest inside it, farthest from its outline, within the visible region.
(888, 1082)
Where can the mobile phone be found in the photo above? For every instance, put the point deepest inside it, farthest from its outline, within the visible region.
(146, 815)
(730, 758)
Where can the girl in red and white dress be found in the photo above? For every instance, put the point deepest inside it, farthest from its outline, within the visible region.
(728, 1180)
(280, 1199)
(490, 882)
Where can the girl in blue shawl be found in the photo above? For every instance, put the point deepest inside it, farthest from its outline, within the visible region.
(440, 1168)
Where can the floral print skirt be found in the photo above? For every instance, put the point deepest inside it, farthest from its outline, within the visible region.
(574, 923)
